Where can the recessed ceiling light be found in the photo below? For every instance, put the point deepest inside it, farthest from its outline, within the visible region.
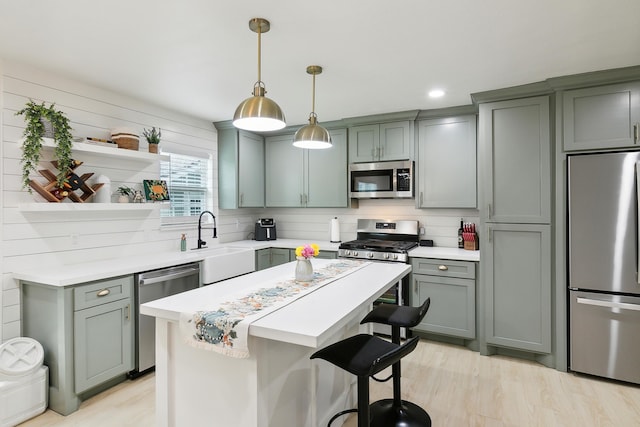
(436, 93)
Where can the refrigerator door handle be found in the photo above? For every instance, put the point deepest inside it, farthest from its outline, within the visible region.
(609, 304)
(638, 219)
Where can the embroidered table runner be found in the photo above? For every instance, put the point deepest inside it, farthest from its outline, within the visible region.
(225, 329)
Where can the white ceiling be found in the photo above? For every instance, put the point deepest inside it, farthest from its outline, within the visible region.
(199, 56)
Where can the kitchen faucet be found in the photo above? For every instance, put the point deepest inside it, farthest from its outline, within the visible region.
(202, 243)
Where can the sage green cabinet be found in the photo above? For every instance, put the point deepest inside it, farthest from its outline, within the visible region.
(451, 285)
(240, 169)
(103, 332)
(381, 142)
(515, 244)
(306, 178)
(446, 165)
(515, 159)
(601, 117)
(517, 265)
(87, 332)
(270, 257)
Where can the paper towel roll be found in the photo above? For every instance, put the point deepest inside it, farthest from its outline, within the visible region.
(335, 230)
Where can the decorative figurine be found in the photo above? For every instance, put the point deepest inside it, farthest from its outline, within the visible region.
(138, 197)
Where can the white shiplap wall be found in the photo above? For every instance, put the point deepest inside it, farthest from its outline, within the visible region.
(52, 240)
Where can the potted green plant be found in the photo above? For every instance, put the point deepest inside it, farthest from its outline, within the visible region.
(35, 115)
(125, 193)
(153, 138)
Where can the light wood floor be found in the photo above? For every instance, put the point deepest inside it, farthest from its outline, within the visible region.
(456, 386)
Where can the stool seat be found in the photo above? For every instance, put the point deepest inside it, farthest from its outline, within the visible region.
(365, 355)
(403, 316)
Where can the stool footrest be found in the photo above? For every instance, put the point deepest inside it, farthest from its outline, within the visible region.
(341, 413)
(384, 414)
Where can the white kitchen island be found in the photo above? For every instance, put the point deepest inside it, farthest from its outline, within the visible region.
(277, 385)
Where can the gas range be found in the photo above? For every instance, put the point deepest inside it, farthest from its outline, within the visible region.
(382, 240)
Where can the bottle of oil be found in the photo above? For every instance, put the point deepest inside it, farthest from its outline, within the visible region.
(183, 243)
(460, 238)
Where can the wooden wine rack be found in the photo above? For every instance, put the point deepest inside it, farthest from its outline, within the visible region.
(46, 191)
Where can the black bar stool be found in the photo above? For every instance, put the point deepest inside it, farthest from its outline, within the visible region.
(364, 355)
(398, 412)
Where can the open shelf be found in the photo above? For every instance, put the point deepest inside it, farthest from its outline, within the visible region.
(68, 207)
(82, 147)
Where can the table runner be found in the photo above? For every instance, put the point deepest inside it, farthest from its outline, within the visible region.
(225, 328)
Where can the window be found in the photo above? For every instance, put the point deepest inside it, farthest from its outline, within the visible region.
(188, 178)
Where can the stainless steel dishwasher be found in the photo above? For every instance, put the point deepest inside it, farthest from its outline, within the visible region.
(150, 286)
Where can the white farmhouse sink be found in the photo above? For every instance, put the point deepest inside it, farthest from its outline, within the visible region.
(226, 262)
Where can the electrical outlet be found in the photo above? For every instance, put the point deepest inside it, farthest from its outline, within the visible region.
(74, 239)
(237, 224)
(422, 231)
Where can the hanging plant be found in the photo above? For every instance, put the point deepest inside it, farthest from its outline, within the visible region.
(34, 115)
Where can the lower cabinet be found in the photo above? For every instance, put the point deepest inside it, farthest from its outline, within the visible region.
(103, 333)
(517, 286)
(87, 332)
(451, 285)
(270, 257)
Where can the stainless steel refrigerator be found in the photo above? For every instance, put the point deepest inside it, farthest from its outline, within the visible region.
(604, 294)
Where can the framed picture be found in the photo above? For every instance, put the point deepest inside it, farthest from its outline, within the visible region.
(155, 190)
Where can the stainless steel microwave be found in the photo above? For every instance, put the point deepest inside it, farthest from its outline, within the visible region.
(381, 180)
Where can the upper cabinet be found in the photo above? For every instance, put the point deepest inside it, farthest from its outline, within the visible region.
(446, 163)
(240, 169)
(298, 177)
(601, 117)
(380, 142)
(515, 159)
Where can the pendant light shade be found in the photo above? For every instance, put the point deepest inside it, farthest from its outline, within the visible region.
(313, 135)
(259, 113)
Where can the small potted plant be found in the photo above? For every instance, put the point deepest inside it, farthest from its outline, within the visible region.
(153, 138)
(124, 193)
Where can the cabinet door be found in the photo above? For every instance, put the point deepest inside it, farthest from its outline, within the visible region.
(327, 179)
(515, 149)
(396, 141)
(517, 272)
(601, 117)
(103, 343)
(250, 171)
(263, 259)
(327, 255)
(447, 163)
(364, 143)
(280, 256)
(285, 172)
(453, 305)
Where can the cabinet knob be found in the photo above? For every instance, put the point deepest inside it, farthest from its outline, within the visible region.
(104, 293)
(443, 268)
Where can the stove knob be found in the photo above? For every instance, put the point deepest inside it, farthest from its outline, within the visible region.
(355, 253)
(347, 252)
(386, 256)
(395, 256)
(370, 254)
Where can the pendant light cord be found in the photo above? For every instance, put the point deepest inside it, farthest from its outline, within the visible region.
(313, 96)
(259, 51)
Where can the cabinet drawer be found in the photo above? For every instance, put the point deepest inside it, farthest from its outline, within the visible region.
(102, 292)
(445, 268)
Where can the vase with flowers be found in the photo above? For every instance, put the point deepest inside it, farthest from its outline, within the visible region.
(304, 269)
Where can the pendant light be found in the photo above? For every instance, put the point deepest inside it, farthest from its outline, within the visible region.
(259, 113)
(312, 135)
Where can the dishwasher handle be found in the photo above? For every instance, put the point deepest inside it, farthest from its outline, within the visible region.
(170, 274)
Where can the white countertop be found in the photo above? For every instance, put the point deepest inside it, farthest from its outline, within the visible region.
(309, 320)
(98, 270)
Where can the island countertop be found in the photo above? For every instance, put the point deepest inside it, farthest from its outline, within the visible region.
(309, 320)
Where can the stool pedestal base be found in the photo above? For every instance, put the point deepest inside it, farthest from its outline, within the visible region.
(384, 414)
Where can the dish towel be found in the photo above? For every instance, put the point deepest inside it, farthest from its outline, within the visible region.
(225, 328)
